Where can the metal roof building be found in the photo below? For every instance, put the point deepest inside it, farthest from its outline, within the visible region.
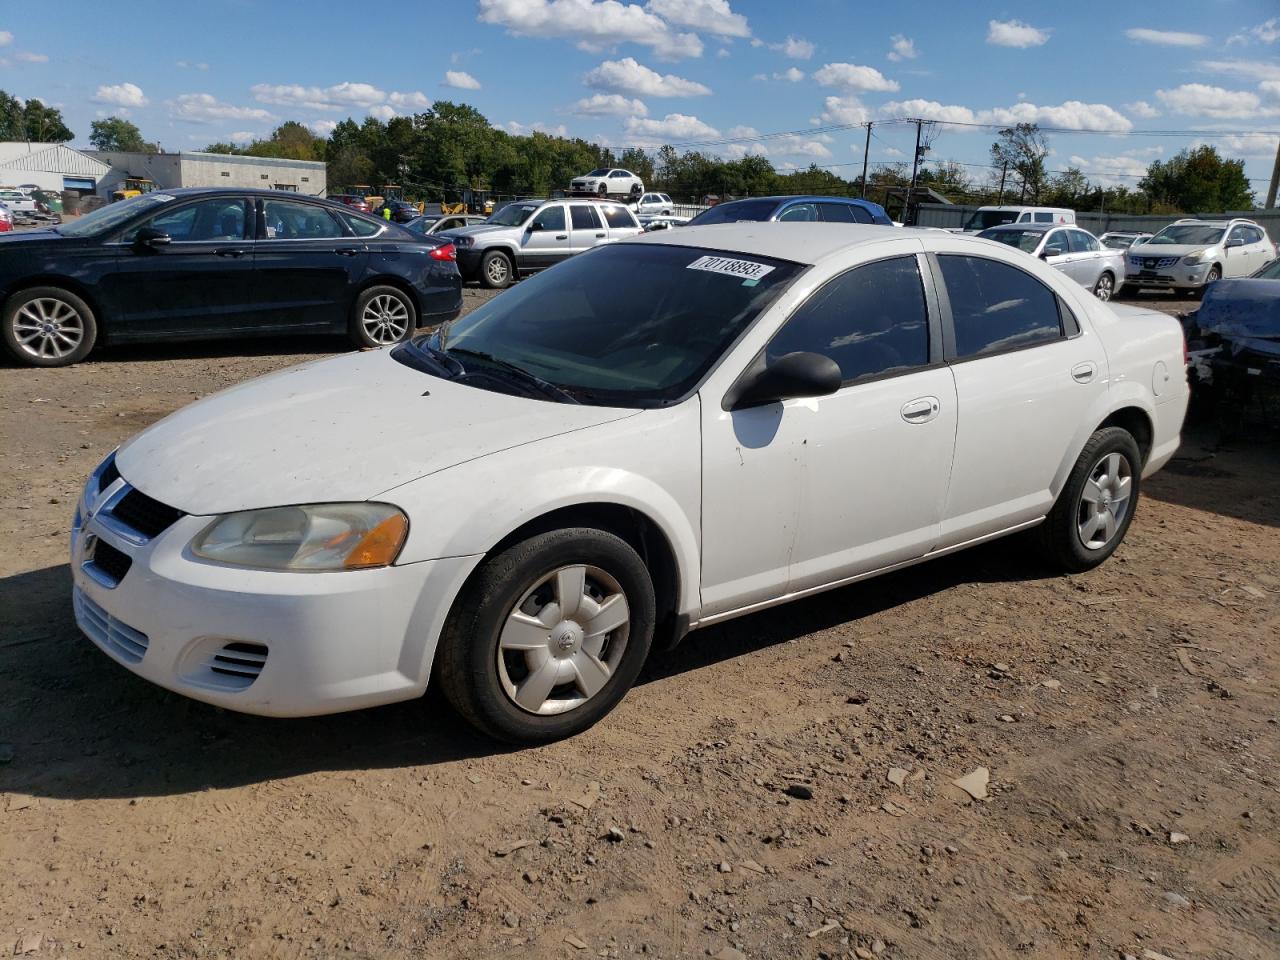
(192, 168)
(50, 166)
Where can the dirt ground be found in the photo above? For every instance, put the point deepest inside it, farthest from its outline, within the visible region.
(780, 786)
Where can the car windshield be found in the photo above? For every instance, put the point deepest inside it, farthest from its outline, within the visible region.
(513, 214)
(422, 224)
(1026, 240)
(625, 325)
(735, 211)
(1118, 242)
(1270, 272)
(1188, 234)
(982, 219)
(602, 172)
(107, 218)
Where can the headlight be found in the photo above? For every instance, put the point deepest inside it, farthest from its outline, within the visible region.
(324, 536)
(1195, 258)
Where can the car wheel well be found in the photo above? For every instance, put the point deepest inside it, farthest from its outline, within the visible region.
(71, 286)
(1138, 425)
(640, 532)
(397, 283)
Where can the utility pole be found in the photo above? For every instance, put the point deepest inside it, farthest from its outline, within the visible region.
(1275, 181)
(1004, 170)
(915, 167)
(867, 152)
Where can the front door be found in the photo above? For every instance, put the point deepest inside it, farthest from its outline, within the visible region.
(546, 239)
(198, 283)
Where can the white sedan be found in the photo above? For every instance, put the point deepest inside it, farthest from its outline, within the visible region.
(661, 434)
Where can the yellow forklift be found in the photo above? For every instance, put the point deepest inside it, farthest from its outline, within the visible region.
(132, 187)
(466, 200)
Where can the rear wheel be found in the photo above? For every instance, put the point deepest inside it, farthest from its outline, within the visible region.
(48, 327)
(548, 636)
(496, 271)
(1105, 288)
(382, 315)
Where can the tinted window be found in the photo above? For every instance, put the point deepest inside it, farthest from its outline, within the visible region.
(736, 210)
(800, 211)
(1081, 242)
(1044, 218)
(837, 213)
(366, 228)
(1025, 240)
(584, 217)
(983, 219)
(997, 307)
(218, 218)
(870, 321)
(1055, 244)
(286, 220)
(1191, 234)
(618, 216)
(550, 218)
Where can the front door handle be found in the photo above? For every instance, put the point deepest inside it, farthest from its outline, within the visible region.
(231, 252)
(1084, 372)
(346, 251)
(599, 236)
(922, 410)
(562, 236)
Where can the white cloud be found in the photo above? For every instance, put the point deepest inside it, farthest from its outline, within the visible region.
(713, 16)
(723, 53)
(1112, 171)
(322, 128)
(242, 136)
(928, 110)
(6, 38)
(187, 64)
(1248, 69)
(837, 110)
(26, 56)
(1140, 108)
(1166, 38)
(1256, 146)
(1015, 33)
(521, 130)
(610, 105)
(629, 76)
(893, 152)
(413, 100)
(791, 75)
(382, 112)
(793, 47)
(673, 128)
(1266, 32)
(851, 76)
(903, 48)
(120, 95)
(335, 97)
(1200, 99)
(1072, 114)
(461, 80)
(592, 24)
(206, 108)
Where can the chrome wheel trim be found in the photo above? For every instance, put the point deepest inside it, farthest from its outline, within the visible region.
(385, 319)
(496, 269)
(1104, 287)
(563, 641)
(48, 328)
(1105, 501)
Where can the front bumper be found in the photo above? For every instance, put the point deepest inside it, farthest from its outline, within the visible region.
(263, 642)
(1175, 275)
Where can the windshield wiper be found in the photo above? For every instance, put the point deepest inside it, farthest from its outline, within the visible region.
(516, 371)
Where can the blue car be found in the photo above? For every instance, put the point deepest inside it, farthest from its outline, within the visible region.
(825, 209)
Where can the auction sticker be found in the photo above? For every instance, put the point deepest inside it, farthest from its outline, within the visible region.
(742, 269)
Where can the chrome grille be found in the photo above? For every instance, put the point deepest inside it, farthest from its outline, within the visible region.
(118, 639)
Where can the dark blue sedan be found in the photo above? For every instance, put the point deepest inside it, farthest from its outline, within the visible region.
(826, 209)
(190, 264)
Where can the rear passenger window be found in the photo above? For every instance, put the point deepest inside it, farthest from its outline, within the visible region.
(360, 226)
(1081, 242)
(584, 217)
(997, 307)
(1044, 218)
(617, 216)
(837, 213)
(871, 321)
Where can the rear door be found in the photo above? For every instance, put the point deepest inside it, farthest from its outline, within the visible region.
(199, 283)
(586, 227)
(1086, 258)
(618, 220)
(307, 265)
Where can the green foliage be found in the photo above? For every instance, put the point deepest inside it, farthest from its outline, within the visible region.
(116, 133)
(1022, 148)
(31, 120)
(1198, 180)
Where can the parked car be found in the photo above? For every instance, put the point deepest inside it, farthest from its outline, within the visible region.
(1238, 327)
(608, 182)
(654, 437)
(430, 223)
(1123, 239)
(1074, 251)
(401, 211)
(351, 200)
(825, 209)
(1189, 254)
(20, 203)
(531, 235)
(187, 264)
(662, 223)
(984, 218)
(654, 205)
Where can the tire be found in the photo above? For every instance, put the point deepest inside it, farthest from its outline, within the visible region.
(1215, 273)
(48, 327)
(635, 190)
(496, 270)
(1109, 465)
(547, 683)
(382, 316)
(1105, 288)
(604, 190)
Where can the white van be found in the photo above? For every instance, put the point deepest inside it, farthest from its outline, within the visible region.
(985, 217)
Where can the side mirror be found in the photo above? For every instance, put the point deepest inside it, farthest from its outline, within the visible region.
(536, 226)
(788, 378)
(1235, 242)
(150, 237)
(1052, 252)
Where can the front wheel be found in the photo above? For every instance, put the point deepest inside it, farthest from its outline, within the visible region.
(1097, 503)
(496, 271)
(382, 316)
(548, 636)
(1105, 288)
(48, 327)
(1215, 274)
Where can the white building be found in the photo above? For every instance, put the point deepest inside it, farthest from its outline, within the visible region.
(50, 166)
(192, 168)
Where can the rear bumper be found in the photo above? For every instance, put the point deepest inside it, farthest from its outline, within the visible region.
(440, 296)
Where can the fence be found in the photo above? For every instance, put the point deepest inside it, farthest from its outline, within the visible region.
(954, 215)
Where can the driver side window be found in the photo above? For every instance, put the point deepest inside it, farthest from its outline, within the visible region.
(800, 211)
(550, 218)
(206, 221)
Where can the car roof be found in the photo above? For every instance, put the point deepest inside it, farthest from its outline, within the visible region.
(800, 242)
(183, 192)
(804, 199)
(1034, 227)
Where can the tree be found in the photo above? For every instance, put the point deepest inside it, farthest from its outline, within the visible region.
(1022, 149)
(1198, 180)
(31, 120)
(116, 133)
(290, 141)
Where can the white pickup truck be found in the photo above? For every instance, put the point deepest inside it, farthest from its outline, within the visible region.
(20, 203)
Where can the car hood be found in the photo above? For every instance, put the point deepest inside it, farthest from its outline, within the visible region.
(32, 236)
(1241, 308)
(344, 429)
(1167, 249)
(477, 229)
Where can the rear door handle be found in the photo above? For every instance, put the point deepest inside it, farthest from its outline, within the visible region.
(347, 251)
(922, 410)
(599, 236)
(231, 252)
(1084, 372)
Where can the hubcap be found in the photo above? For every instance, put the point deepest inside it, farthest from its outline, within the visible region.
(48, 328)
(1103, 290)
(385, 319)
(1104, 504)
(562, 642)
(497, 270)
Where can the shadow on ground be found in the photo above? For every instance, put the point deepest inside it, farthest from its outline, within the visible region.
(1232, 473)
(84, 727)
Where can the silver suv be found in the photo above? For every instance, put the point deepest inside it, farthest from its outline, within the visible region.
(531, 235)
(1188, 255)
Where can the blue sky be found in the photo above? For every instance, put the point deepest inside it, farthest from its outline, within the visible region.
(682, 71)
